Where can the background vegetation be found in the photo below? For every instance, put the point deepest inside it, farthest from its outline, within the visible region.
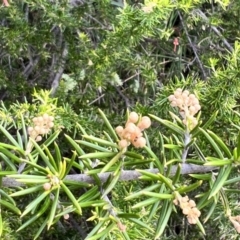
(118, 55)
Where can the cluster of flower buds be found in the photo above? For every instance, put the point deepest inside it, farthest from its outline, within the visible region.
(188, 208)
(132, 133)
(42, 126)
(188, 106)
(236, 222)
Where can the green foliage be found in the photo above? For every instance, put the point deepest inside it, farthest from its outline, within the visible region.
(118, 55)
(43, 174)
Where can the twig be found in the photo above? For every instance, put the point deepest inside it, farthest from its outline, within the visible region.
(127, 175)
(126, 100)
(204, 75)
(187, 139)
(76, 3)
(127, 79)
(204, 17)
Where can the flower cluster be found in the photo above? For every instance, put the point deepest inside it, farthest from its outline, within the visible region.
(132, 133)
(236, 222)
(42, 125)
(188, 106)
(188, 208)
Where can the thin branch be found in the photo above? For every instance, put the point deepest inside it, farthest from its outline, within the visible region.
(204, 75)
(126, 100)
(204, 17)
(124, 81)
(76, 3)
(187, 139)
(127, 175)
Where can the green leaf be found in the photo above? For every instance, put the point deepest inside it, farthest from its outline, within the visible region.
(157, 161)
(25, 176)
(174, 116)
(9, 137)
(201, 227)
(112, 183)
(9, 154)
(19, 138)
(44, 157)
(76, 183)
(109, 126)
(70, 163)
(75, 145)
(93, 146)
(8, 162)
(158, 195)
(238, 148)
(221, 178)
(6, 195)
(97, 227)
(1, 224)
(167, 181)
(39, 213)
(213, 143)
(24, 130)
(98, 155)
(89, 195)
(35, 202)
(172, 146)
(40, 229)
(51, 138)
(145, 203)
(218, 163)
(134, 155)
(10, 206)
(232, 181)
(195, 132)
(5, 173)
(40, 169)
(71, 197)
(205, 176)
(139, 194)
(27, 191)
(189, 188)
(51, 159)
(128, 215)
(152, 176)
(141, 224)
(97, 140)
(58, 157)
(220, 143)
(54, 207)
(111, 162)
(173, 127)
(164, 216)
(177, 174)
(102, 233)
